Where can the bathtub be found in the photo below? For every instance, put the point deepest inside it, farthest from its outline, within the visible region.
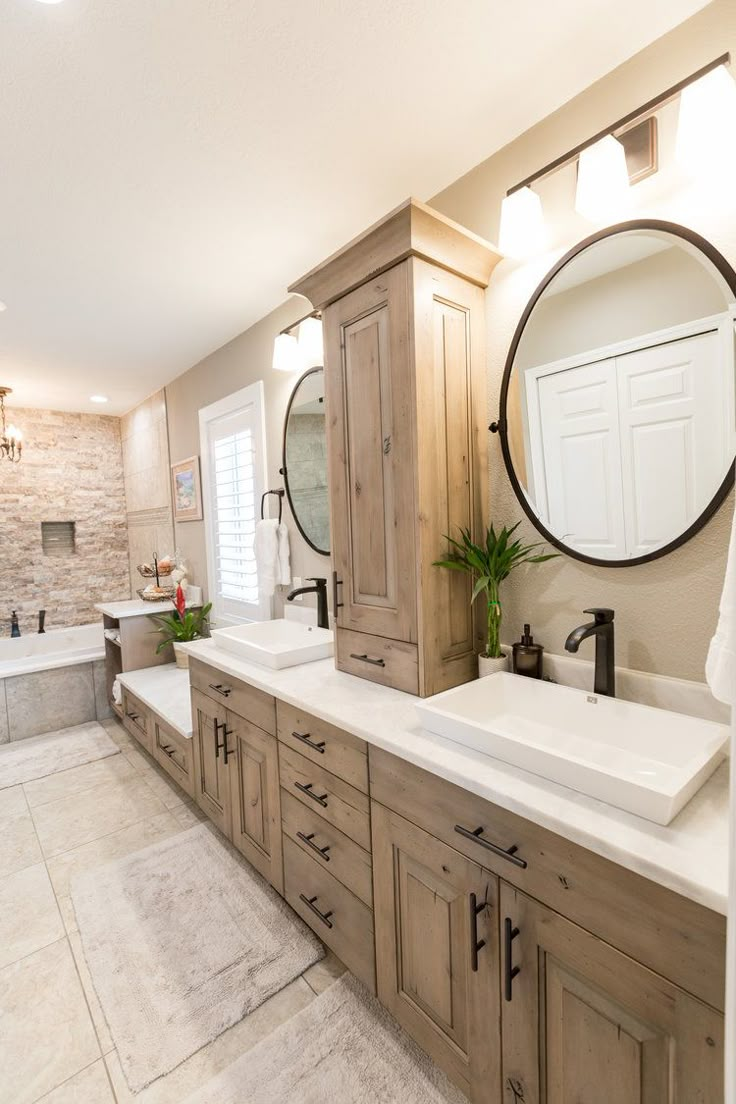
(54, 648)
(52, 681)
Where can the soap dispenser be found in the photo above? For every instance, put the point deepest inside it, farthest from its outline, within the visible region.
(528, 656)
(14, 626)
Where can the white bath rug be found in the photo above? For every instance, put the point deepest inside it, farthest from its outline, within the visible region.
(39, 756)
(343, 1048)
(182, 940)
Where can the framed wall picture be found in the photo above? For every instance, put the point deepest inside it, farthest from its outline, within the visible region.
(186, 490)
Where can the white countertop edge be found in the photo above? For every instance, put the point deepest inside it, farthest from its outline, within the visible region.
(159, 689)
(547, 804)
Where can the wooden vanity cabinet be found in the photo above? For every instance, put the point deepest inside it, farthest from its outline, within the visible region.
(583, 1022)
(236, 774)
(403, 315)
(136, 720)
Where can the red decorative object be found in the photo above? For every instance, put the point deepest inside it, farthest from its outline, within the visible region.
(180, 602)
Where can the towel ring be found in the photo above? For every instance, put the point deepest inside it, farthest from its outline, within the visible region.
(280, 493)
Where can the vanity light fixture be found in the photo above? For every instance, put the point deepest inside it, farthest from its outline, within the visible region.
(11, 438)
(707, 117)
(291, 354)
(522, 224)
(602, 193)
(707, 122)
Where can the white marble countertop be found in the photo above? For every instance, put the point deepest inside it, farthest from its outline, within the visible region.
(133, 607)
(165, 690)
(689, 856)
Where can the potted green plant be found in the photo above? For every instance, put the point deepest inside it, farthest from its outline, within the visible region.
(489, 564)
(182, 627)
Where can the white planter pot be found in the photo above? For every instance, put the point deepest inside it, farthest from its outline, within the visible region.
(181, 657)
(487, 666)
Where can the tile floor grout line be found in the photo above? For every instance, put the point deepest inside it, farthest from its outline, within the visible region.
(121, 828)
(37, 950)
(40, 1099)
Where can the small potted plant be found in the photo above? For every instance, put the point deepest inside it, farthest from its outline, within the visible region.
(489, 564)
(182, 627)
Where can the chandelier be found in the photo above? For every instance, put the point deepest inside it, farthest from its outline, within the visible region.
(11, 438)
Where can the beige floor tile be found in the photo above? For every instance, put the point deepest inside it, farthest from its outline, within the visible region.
(323, 974)
(158, 780)
(117, 733)
(63, 824)
(98, 1016)
(12, 802)
(177, 1085)
(19, 846)
(89, 1086)
(29, 917)
(68, 915)
(46, 1034)
(188, 814)
(64, 867)
(70, 783)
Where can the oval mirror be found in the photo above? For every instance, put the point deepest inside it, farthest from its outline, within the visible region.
(305, 460)
(618, 416)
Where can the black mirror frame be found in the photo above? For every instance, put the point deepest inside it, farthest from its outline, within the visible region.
(728, 274)
(283, 470)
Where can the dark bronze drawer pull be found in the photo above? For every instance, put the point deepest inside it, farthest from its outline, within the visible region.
(335, 584)
(510, 971)
(308, 790)
(226, 691)
(305, 739)
(321, 851)
(222, 747)
(475, 946)
(368, 659)
(133, 717)
(167, 749)
(510, 854)
(324, 916)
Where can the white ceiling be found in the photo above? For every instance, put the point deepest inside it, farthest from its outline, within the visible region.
(169, 166)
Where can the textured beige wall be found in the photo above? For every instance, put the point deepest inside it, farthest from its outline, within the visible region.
(71, 470)
(242, 361)
(147, 484)
(666, 611)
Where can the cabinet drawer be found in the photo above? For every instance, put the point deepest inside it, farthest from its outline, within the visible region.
(137, 720)
(340, 920)
(675, 937)
(236, 696)
(174, 753)
(339, 752)
(390, 662)
(326, 794)
(328, 846)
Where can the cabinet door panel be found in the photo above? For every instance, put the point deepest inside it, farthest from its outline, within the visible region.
(425, 927)
(210, 772)
(255, 821)
(369, 416)
(586, 1023)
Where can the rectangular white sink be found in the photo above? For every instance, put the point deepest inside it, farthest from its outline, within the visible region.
(276, 644)
(643, 760)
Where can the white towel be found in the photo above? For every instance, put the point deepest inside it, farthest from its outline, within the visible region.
(117, 692)
(284, 556)
(266, 550)
(720, 671)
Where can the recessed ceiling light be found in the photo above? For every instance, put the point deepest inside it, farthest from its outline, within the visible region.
(49, 1)
(92, 398)
(3, 306)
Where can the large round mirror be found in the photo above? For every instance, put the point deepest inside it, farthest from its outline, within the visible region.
(305, 460)
(618, 416)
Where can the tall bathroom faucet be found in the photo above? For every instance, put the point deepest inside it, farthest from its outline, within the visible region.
(601, 627)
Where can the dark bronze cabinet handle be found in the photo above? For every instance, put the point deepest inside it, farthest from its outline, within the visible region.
(509, 854)
(368, 659)
(221, 747)
(321, 851)
(226, 691)
(132, 716)
(309, 791)
(510, 971)
(475, 945)
(305, 739)
(335, 584)
(323, 916)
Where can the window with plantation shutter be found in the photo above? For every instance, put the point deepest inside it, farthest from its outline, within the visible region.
(232, 436)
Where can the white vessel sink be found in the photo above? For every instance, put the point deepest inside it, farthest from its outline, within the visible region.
(643, 760)
(276, 644)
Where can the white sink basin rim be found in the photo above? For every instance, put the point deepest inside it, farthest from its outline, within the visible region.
(646, 761)
(276, 644)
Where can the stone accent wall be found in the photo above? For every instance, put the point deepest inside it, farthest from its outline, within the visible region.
(71, 470)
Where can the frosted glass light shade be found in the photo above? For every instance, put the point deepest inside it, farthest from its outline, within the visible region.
(522, 229)
(707, 123)
(311, 347)
(286, 356)
(603, 191)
